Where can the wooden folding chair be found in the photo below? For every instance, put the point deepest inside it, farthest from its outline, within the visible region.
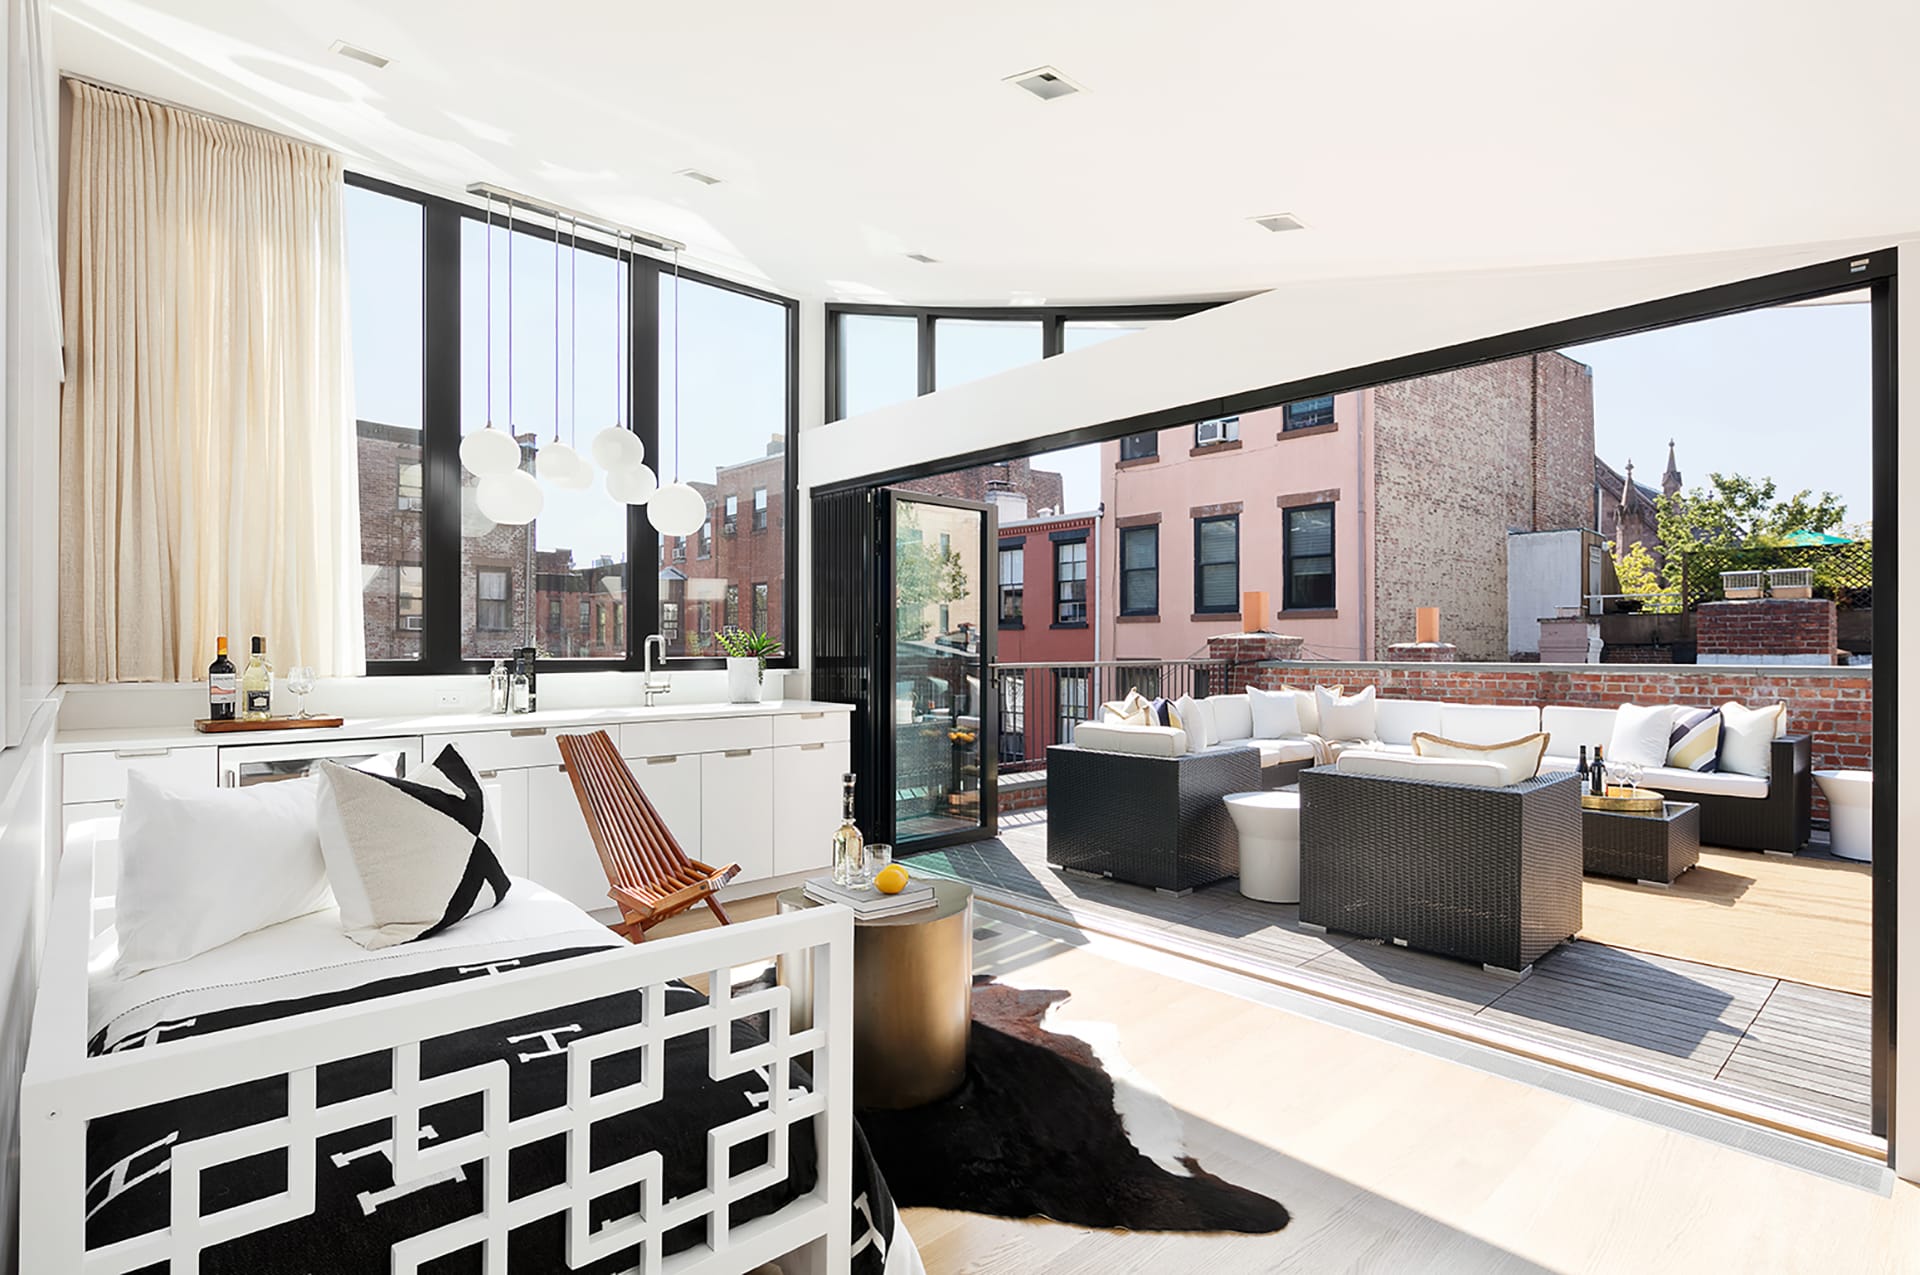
(648, 875)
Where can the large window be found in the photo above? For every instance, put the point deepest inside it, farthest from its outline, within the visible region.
(1070, 581)
(968, 349)
(1309, 559)
(1309, 413)
(1013, 584)
(1216, 565)
(879, 363)
(1139, 571)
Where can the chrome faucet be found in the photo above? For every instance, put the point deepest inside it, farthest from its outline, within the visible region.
(650, 688)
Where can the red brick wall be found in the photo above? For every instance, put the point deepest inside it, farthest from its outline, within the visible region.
(1042, 487)
(1768, 626)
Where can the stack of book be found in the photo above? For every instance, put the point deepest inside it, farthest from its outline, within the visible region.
(869, 904)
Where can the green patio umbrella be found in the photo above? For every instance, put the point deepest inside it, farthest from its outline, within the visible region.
(1799, 539)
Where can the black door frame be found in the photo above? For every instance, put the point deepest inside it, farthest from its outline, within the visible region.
(1875, 273)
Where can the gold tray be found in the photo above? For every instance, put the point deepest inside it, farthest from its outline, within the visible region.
(1626, 801)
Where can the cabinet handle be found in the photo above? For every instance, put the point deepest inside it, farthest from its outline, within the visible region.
(811, 717)
(228, 779)
(563, 768)
(811, 748)
(738, 752)
(488, 774)
(141, 752)
(120, 804)
(667, 760)
(520, 732)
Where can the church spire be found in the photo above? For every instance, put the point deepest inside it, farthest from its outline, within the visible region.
(1670, 481)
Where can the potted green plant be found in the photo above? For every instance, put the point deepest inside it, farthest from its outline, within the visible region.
(747, 656)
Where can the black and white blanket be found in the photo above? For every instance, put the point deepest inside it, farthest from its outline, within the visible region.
(360, 1214)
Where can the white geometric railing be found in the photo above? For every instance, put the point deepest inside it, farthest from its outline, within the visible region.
(63, 1090)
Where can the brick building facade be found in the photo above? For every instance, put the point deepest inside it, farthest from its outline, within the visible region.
(731, 574)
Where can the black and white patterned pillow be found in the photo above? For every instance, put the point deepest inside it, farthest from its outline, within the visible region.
(406, 857)
(1695, 741)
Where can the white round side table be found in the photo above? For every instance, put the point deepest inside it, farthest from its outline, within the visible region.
(1269, 827)
(1849, 795)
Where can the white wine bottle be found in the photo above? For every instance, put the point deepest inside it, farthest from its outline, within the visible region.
(849, 847)
(256, 684)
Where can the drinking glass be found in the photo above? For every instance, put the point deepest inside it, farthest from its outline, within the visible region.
(300, 682)
(879, 856)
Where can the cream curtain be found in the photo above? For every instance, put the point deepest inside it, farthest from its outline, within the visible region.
(208, 478)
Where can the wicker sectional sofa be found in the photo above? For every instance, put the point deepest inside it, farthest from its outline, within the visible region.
(1152, 818)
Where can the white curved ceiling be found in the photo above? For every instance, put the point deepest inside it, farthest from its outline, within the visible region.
(1409, 136)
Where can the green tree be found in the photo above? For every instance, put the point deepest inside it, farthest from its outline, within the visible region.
(1640, 576)
(1735, 511)
(923, 578)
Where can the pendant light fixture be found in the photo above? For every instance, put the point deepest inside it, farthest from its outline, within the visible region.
(677, 509)
(489, 451)
(617, 449)
(558, 463)
(512, 498)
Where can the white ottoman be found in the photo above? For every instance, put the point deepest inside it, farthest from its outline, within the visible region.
(1269, 826)
(1849, 795)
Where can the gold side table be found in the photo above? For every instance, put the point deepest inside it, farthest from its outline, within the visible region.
(912, 998)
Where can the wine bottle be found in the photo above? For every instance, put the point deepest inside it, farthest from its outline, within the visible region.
(1597, 780)
(223, 685)
(1581, 769)
(849, 847)
(256, 684)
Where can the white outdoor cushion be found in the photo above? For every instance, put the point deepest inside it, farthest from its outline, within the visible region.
(1275, 751)
(1347, 716)
(1146, 741)
(1487, 723)
(1309, 707)
(1399, 720)
(1133, 709)
(1276, 714)
(201, 869)
(1196, 720)
(1437, 770)
(1747, 735)
(1518, 759)
(1672, 779)
(1573, 727)
(1232, 718)
(1640, 734)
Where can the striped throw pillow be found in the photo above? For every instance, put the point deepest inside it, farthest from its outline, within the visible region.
(1695, 741)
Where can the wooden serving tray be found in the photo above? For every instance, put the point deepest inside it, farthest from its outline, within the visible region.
(1626, 801)
(207, 726)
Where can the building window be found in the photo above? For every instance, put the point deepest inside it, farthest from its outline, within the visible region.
(731, 521)
(670, 622)
(1216, 565)
(1070, 581)
(586, 617)
(553, 615)
(759, 608)
(619, 622)
(1013, 715)
(1221, 429)
(733, 606)
(599, 626)
(1309, 413)
(1140, 446)
(679, 548)
(703, 615)
(759, 508)
(1309, 559)
(408, 483)
(407, 598)
(493, 600)
(1071, 694)
(705, 544)
(1013, 580)
(1140, 571)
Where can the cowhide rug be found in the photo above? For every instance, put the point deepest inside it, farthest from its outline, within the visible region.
(1051, 1124)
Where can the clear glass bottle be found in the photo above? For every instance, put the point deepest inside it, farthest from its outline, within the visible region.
(256, 685)
(497, 687)
(521, 696)
(849, 847)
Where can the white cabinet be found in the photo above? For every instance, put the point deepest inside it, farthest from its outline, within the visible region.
(672, 783)
(806, 804)
(102, 776)
(560, 852)
(505, 792)
(736, 811)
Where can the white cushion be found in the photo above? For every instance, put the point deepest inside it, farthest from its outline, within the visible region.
(1130, 710)
(1518, 759)
(1275, 751)
(1232, 718)
(1309, 708)
(1145, 741)
(1196, 720)
(1437, 770)
(1276, 714)
(1640, 734)
(407, 858)
(1400, 719)
(201, 869)
(1747, 735)
(1347, 716)
(1487, 723)
(1672, 779)
(1572, 728)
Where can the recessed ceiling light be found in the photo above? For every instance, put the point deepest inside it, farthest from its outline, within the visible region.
(923, 258)
(1045, 83)
(1278, 222)
(358, 54)
(694, 174)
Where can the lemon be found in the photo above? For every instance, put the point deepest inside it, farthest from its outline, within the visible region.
(891, 880)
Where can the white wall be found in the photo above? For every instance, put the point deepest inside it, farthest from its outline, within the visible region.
(29, 848)
(1545, 571)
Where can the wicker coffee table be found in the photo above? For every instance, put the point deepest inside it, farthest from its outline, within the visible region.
(1653, 849)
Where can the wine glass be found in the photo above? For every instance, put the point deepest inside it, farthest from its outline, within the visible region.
(300, 682)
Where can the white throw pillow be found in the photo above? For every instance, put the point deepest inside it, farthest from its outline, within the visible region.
(1353, 716)
(1196, 720)
(407, 857)
(1232, 718)
(1309, 704)
(1276, 714)
(1133, 710)
(1518, 759)
(1640, 735)
(201, 869)
(1747, 735)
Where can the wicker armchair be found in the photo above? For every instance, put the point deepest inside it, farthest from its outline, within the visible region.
(1780, 821)
(1485, 874)
(1153, 821)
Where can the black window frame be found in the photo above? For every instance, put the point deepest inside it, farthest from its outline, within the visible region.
(441, 558)
(1065, 541)
(1288, 424)
(1199, 566)
(1141, 446)
(1151, 530)
(1288, 602)
(1005, 588)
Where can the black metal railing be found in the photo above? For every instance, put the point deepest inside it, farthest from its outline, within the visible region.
(1040, 704)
